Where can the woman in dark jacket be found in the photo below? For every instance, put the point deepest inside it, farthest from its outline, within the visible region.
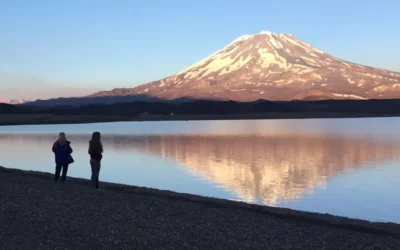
(62, 151)
(96, 154)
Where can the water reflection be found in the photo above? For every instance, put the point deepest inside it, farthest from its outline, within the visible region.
(267, 169)
(262, 169)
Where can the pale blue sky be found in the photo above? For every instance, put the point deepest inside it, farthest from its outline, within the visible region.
(56, 48)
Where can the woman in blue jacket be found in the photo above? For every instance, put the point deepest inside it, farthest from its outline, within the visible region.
(62, 152)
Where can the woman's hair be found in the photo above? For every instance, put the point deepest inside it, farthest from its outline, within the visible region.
(95, 143)
(61, 135)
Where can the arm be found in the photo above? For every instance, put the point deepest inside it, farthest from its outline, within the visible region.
(54, 146)
(69, 148)
(100, 148)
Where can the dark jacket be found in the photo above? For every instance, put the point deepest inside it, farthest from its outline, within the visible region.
(96, 156)
(62, 152)
(96, 153)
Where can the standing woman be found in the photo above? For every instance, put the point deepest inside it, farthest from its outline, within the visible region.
(96, 154)
(62, 151)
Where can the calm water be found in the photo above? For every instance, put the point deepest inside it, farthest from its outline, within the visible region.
(347, 167)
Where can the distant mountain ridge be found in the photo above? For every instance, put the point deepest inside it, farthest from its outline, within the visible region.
(13, 109)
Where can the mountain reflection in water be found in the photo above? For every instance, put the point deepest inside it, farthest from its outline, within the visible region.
(263, 169)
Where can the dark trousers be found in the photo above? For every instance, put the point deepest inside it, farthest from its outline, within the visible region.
(58, 171)
(95, 173)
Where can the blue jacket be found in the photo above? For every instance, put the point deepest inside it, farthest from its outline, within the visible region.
(62, 152)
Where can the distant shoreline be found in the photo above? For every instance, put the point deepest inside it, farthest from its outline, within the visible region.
(48, 119)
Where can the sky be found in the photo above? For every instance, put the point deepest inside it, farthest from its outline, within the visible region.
(73, 48)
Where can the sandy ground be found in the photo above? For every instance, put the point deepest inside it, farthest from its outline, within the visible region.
(36, 213)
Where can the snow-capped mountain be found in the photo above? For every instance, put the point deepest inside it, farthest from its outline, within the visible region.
(274, 67)
(13, 101)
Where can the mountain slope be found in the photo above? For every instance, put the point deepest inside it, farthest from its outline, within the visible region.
(11, 109)
(273, 67)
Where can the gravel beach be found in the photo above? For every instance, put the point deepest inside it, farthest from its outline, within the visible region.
(36, 213)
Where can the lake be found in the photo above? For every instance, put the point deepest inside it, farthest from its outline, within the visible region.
(346, 167)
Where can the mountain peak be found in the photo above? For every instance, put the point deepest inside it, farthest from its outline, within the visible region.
(247, 36)
(272, 66)
(266, 32)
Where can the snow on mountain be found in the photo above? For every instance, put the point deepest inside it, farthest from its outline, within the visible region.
(274, 67)
(12, 101)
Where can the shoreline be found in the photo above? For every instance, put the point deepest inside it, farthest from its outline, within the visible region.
(48, 119)
(182, 202)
